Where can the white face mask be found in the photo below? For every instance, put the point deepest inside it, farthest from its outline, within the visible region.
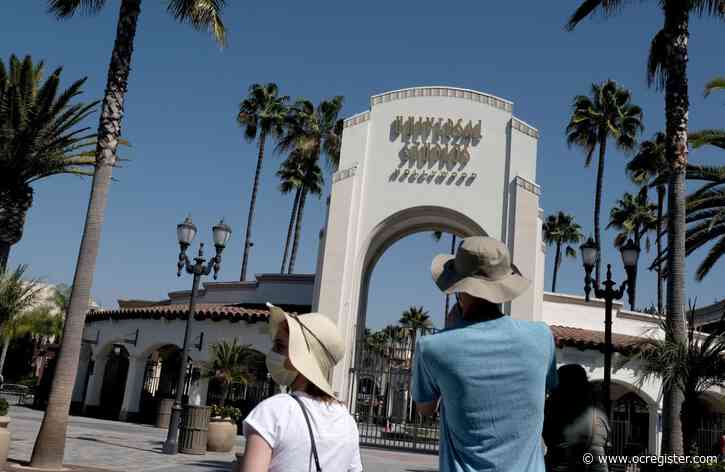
(280, 374)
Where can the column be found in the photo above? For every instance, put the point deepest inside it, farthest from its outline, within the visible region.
(525, 245)
(134, 384)
(95, 383)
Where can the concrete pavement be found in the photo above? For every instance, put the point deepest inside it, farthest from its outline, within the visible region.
(128, 447)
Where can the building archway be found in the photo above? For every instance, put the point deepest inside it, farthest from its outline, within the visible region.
(114, 382)
(424, 159)
(634, 419)
(161, 374)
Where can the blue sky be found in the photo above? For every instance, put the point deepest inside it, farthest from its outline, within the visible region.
(188, 154)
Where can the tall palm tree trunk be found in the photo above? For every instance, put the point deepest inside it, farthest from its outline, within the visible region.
(4, 254)
(50, 442)
(598, 202)
(4, 355)
(290, 228)
(660, 230)
(298, 227)
(676, 109)
(252, 204)
(557, 261)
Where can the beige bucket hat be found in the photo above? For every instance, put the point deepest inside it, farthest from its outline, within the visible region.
(315, 345)
(481, 268)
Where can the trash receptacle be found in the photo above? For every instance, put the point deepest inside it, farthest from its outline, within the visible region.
(164, 414)
(194, 428)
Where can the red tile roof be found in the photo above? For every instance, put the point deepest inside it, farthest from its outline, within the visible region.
(566, 336)
(214, 311)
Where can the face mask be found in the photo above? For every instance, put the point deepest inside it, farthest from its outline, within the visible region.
(280, 374)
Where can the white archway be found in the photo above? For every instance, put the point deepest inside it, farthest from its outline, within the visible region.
(422, 159)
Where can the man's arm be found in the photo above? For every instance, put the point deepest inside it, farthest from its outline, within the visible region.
(424, 388)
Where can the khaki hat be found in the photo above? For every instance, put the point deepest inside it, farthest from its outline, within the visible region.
(315, 345)
(481, 268)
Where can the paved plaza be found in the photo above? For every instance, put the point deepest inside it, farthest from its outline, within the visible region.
(127, 447)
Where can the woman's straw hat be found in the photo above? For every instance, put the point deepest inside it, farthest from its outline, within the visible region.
(315, 345)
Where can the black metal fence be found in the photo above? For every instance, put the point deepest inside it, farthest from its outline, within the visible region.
(380, 397)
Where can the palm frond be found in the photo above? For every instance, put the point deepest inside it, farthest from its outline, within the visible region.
(718, 83)
(201, 15)
(657, 61)
(68, 8)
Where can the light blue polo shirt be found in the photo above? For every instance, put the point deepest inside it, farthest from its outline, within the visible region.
(492, 378)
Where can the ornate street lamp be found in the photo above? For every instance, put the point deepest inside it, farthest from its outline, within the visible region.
(590, 255)
(185, 232)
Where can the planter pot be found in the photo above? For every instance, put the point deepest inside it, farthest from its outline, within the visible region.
(4, 440)
(221, 436)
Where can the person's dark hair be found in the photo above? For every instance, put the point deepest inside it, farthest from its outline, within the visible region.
(315, 392)
(570, 399)
(481, 308)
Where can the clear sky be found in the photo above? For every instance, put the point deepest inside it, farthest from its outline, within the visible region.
(188, 154)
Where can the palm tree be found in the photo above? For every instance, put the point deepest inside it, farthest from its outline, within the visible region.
(560, 229)
(261, 114)
(706, 216)
(649, 167)
(230, 364)
(200, 14)
(39, 137)
(712, 137)
(693, 365)
(17, 295)
(292, 177)
(312, 183)
(608, 113)
(667, 68)
(311, 133)
(416, 320)
(634, 217)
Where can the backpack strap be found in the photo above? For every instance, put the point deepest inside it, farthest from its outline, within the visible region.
(309, 428)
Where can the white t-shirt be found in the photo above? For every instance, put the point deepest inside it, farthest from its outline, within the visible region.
(280, 421)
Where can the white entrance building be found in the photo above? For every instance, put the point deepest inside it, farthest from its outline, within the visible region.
(421, 159)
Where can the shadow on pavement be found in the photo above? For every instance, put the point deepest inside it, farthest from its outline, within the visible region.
(214, 466)
(111, 443)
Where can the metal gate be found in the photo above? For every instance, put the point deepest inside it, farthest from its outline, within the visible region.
(380, 397)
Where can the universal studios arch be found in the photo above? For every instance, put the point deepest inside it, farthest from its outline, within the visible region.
(424, 159)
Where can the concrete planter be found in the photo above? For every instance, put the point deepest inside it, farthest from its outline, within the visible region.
(221, 435)
(4, 440)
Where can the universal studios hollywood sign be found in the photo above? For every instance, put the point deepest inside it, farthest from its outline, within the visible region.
(435, 145)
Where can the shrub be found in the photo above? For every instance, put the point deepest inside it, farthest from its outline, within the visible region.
(3, 407)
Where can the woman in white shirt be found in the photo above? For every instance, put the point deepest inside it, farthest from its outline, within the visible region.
(307, 430)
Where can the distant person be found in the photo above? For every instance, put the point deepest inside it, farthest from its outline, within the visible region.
(307, 430)
(573, 425)
(489, 371)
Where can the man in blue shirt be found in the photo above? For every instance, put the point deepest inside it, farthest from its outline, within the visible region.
(489, 371)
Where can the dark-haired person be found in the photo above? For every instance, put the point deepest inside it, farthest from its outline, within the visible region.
(308, 430)
(573, 425)
(489, 371)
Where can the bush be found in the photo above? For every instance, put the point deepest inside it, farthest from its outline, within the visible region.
(3, 407)
(226, 412)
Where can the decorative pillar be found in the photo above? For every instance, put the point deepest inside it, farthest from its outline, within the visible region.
(95, 384)
(134, 385)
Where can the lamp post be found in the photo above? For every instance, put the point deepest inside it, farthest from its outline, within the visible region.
(590, 255)
(185, 233)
